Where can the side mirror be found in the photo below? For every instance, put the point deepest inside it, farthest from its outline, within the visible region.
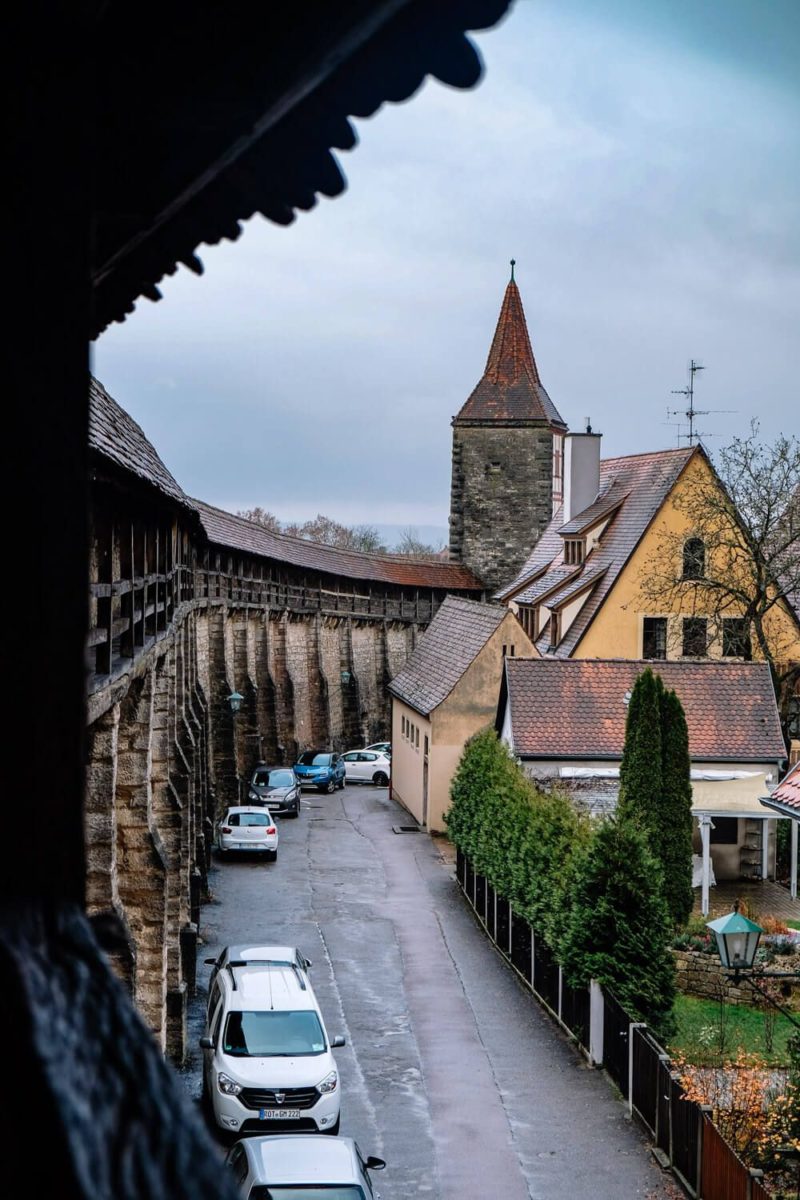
(374, 1164)
(206, 1043)
(210, 962)
(337, 1041)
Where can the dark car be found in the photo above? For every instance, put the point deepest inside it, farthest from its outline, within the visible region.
(323, 770)
(277, 787)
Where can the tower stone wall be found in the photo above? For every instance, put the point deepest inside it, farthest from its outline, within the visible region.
(506, 469)
(501, 496)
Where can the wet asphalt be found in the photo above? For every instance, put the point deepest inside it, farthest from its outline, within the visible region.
(451, 1071)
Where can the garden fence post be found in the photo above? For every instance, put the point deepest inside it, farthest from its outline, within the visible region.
(633, 1025)
(753, 1173)
(703, 1111)
(596, 1023)
(533, 959)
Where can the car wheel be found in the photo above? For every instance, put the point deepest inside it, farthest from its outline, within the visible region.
(221, 854)
(334, 1129)
(272, 856)
(294, 815)
(330, 787)
(380, 779)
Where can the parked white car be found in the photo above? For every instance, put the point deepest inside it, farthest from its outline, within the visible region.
(313, 1167)
(367, 766)
(383, 747)
(248, 828)
(246, 954)
(267, 1061)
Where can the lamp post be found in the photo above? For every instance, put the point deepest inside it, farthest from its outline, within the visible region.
(737, 939)
(235, 701)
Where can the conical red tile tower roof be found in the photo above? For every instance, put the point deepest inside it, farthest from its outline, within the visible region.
(510, 389)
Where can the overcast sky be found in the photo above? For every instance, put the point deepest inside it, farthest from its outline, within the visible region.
(641, 163)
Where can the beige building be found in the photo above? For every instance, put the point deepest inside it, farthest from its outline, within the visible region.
(446, 692)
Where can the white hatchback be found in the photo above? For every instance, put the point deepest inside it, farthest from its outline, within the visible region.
(247, 828)
(367, 766)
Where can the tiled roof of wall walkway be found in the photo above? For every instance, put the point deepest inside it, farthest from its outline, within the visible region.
(224, 529)
(115, 436)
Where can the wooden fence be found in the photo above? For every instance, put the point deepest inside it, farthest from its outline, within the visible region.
(682, 1130)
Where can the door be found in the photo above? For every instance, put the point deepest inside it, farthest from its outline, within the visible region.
(425, 791)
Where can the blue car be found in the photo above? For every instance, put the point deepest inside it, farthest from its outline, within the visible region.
(318, 769)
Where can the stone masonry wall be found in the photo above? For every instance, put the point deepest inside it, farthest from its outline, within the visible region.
(501, 497)
(166, 756)
(700, 974)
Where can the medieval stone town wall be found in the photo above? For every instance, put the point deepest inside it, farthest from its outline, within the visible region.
(165, 756)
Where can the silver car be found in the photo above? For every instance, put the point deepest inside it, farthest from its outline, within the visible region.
(302, 1167)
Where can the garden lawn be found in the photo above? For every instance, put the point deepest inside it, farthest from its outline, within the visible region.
(698, 1037)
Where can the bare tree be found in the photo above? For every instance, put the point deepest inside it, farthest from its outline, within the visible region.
(736, 562)
(261, 517)
(412, 545)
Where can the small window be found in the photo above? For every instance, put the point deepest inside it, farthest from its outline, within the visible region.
(417, 737)
(736, 638)
(512, 651)
(724, 831)
(695, 637)
(493, 468)
(504, 651)
(694, 558)
(555, 629)
(426, 745)
(654, 637)
(573, 551)
(403, 726)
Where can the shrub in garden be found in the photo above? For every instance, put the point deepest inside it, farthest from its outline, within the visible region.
(619, 930)
(518, 838)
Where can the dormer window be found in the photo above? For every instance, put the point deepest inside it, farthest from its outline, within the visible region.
(574, 551)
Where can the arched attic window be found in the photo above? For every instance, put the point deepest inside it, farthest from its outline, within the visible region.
(694, 558)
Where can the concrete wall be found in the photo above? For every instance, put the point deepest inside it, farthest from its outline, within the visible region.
(408, 758)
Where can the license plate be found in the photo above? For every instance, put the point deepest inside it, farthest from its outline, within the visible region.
(279, 1114)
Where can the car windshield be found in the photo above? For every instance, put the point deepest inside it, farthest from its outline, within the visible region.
(307, 1191)
(273, 1034)
(282, 778)
(249, 819)
(310, 759)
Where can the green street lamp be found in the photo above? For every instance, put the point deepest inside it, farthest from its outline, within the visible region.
(737, 939)
(345, 677)
(235, 700)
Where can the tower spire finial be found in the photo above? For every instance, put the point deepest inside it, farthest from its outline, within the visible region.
(513, 264)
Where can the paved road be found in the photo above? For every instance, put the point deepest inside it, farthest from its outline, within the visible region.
(451, 1072)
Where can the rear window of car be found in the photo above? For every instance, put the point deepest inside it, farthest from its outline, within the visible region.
(273, 1034)
(314, 760)
(310, 1191)
(279, 778)
(248, 819)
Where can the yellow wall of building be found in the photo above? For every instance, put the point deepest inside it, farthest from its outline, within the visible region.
(470, 707)
(616, 631)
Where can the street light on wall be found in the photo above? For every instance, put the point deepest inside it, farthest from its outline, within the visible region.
(235, 700)
(345, 677)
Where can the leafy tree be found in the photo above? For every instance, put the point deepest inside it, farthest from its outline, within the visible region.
(618, 930)
(674, 813)
(640, 773)
(746, 516)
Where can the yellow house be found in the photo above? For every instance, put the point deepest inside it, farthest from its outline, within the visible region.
(588, 589)
(445, 693)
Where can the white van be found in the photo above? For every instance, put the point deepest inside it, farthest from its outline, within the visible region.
(267, 1056)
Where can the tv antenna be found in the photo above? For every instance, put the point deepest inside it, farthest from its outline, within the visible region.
(690, 412)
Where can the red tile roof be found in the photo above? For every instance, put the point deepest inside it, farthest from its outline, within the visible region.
(787, 793)
(645, 481)
(510, 388)
(224, 529)
(575, 708)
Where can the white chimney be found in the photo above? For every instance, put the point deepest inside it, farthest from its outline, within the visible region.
(581, 471)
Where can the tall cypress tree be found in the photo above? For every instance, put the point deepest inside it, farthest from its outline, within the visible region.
(640, 775)
(674, 847)
(618, 930)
